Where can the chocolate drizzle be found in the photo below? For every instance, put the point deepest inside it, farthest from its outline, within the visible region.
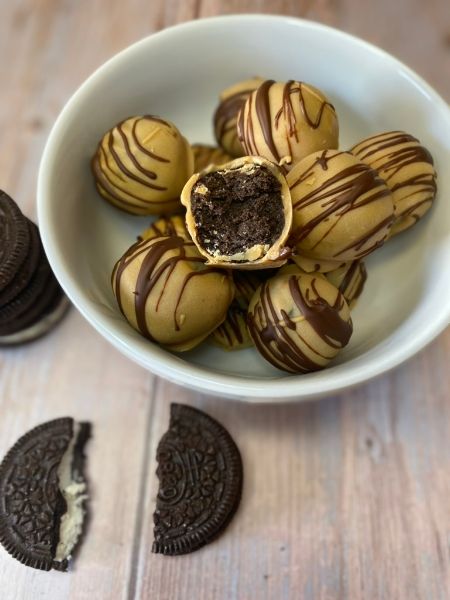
(233, 334)
(226, 114)
(323, 318)
(348, 189)
(353, 281)
(393, 151)
(268, 118)
(154, 266)
(113, 175)
(291, 351)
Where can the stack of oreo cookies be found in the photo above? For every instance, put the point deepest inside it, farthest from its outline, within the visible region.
(31, 300)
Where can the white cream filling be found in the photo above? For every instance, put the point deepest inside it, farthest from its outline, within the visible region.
(74, 494)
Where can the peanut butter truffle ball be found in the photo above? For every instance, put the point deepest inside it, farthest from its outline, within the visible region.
(168, 294)
(284, 122)
(314, 265)
(239, 215)
(204, 156)
(233, 333)
(231, 101)
(407, 168)
(142, 164)
(350, 280)
(166, 227)
(342, 209)
(299, 322)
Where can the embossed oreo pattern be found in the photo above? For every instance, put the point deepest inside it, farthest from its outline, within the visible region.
(14, 239)
(200, 482)
(31, 503)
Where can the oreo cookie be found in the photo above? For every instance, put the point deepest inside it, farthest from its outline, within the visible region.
(26, 270)
(21, 304)
(14, 239)
(200, 482)
(43, 494)
(29, 292)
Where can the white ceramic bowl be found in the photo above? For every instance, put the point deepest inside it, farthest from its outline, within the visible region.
(178, 74)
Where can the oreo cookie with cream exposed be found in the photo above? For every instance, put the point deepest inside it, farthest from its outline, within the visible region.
(200, 482)
(14, 239)
(43, 494)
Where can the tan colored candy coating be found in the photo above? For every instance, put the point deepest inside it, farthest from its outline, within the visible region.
(142, 164)
(233, 333)
(342, 209)
(350, 280)
(166, 226)
(226, 114)
(407, 168)
(299, 322)
(257, 256)
(168, 294)
(284, 122)
(204, 156)
(315, 265)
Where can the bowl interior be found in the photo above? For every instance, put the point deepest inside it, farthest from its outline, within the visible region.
(178, 74)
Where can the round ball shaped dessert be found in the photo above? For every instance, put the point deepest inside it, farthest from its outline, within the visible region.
(225, 117)
(408, 170)
(342, 209)
(239, 214)
(233, 333)
(205, 155)
(166, 292)
(350, 280)
(314, 265)
(284, 122)
(299, 322)
(142, 164)
(166, 226)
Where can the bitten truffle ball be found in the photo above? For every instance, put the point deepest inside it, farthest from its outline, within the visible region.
(299, 323)
(407, 168)
(142, 164)
(284, 122)
(166, 292)
(342, 209)
(239, 215)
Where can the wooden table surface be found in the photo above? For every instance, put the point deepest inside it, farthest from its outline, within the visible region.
(348, 497)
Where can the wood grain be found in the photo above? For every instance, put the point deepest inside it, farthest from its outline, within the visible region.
(343, 498)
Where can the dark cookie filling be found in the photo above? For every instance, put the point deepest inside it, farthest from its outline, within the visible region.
(239, 210)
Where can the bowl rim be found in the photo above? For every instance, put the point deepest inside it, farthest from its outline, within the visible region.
(195, 376)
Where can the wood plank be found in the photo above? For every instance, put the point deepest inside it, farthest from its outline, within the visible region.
(343, 498)
(54, 377)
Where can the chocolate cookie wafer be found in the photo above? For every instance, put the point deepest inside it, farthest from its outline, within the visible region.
(27, 298)
(31, 300)
(26, 270)
(200, 482)
(43, 494)
(14, 239)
